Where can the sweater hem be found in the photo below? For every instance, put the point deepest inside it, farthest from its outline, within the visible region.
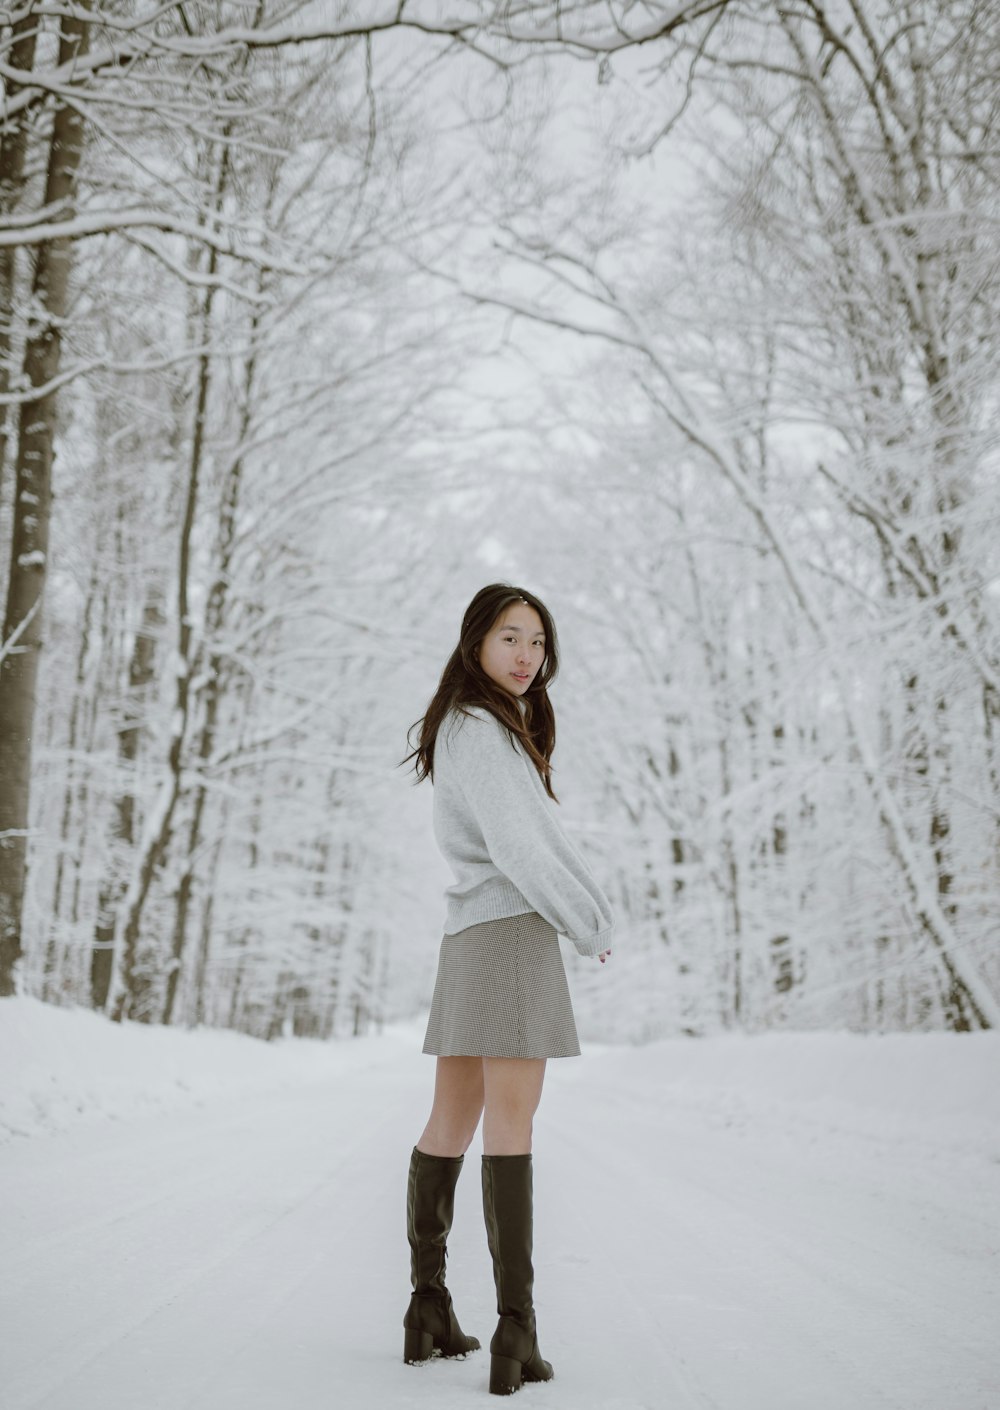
(499, 903)
(504, 901)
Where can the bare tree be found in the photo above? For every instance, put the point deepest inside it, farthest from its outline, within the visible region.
(22, 629)
(840, 199)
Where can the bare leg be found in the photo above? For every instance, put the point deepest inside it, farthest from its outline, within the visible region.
(512, 1089)
(458, 1105)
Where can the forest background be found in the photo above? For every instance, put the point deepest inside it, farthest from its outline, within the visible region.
(314, 317)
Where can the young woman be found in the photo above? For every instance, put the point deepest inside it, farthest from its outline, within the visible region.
(501, 1005)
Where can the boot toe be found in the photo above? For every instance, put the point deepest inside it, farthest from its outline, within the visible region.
(538, 1370)
(463, 1347)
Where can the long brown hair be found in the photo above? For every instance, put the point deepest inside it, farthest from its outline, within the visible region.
(464, 683)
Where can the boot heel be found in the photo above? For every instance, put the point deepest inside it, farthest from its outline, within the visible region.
(417, 1346)
(505, 1375)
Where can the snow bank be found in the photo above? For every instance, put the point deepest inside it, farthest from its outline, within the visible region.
(65, 1065)
(896, 1084)
(62, 1066)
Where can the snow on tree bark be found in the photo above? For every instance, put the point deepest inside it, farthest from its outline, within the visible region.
(23, 618)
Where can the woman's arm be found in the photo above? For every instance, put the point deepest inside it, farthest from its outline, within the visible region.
(522, 835)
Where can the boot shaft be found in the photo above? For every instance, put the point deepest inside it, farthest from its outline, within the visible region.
(430, 1210)
(508, 1213)
(430, 1325)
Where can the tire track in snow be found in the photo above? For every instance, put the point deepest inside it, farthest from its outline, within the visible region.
(270, 1265)
(799, 1302)
(110, 1324)
(279, 1311)
(891, 1252)
(732, 1311)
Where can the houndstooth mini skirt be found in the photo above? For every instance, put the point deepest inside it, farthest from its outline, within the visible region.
(501, 991)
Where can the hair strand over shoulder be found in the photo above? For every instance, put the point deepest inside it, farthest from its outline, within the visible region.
(530, 720)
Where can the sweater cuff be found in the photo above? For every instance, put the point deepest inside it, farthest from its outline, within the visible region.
(595, 944)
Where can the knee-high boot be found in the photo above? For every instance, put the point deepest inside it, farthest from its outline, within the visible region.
(507, 1208)
(430, 1324)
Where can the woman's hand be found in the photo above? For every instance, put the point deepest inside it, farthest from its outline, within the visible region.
(603, 955)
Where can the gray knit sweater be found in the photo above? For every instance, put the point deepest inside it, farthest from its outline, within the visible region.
(499, 833)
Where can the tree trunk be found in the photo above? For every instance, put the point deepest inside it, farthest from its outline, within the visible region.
(730, 880)
(22, 633)
(200, 1005)
(215, 613)
(71, 789)
(13, 150)
(157, 834)
(141, 673)
(72, 740)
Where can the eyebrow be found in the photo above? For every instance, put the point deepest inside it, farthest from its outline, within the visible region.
(513, 627)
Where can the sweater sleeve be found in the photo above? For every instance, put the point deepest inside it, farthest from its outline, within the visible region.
(522, 835)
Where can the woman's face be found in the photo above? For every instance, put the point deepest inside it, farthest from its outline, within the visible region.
(512, 651)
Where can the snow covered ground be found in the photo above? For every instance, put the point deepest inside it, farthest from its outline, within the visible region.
(195, 1221)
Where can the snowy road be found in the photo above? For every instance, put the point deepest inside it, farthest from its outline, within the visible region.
(721, 1242)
